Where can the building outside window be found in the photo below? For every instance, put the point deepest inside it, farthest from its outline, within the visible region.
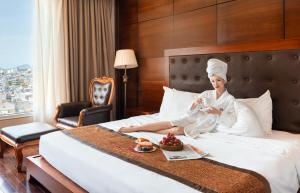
(16, 21)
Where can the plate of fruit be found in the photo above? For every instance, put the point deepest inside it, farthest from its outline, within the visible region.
(171, 143)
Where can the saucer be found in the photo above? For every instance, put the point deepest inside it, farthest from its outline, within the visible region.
(140, 151)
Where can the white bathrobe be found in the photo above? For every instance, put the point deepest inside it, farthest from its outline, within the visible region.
(197, 120)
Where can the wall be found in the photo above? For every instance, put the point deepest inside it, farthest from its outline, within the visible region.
(151, 26)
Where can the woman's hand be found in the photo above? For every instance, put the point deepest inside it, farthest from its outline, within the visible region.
(213, 110)
(197, 102)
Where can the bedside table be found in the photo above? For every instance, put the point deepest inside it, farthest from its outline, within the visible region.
(135, 111)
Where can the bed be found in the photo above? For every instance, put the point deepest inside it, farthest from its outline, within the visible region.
(253, 68)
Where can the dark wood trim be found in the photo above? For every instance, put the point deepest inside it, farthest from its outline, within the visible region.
(135, 111)
(81, 118)
(283, 19)
(2, 146)
(19, 157)
(119, 94)
(39, 169)
(57, 112)
(119, 25)
(119, 103)
(244, 47)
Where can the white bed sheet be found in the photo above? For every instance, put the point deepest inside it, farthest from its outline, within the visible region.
(276, 157)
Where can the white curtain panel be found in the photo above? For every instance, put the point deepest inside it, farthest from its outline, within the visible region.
(50, 69)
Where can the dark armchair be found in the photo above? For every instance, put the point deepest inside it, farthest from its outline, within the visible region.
(97, 110)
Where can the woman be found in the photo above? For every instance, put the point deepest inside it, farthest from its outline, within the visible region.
(211, 109)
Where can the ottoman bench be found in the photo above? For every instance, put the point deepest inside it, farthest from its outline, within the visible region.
(20, 136)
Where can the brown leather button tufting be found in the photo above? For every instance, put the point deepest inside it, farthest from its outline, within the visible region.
(197, 60)
(184, 60)
(227, 58)
(246, 58)
(184, 77)
(173, 76)
(295, 102)
(294, 81)
(269, 79)
(247, 79)
(197, 77)
(172, 61)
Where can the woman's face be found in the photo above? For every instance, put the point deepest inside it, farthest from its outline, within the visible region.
(218, 83)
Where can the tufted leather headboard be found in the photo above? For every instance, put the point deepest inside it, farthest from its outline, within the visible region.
(250, 74)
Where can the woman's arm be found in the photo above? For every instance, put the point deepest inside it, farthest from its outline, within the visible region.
(151, 127)
(192, 109)
(195, 103)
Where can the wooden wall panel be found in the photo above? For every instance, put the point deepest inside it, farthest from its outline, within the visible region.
(153, 9)
(223, 1)
(153, 76)
(129, 37)
(292, 18)
(152, 94)
(154, 37)
(132, 85)
(244, 21)
(128, 12)
(152, 26)
(181, 6)
(152, 69)
(195, 28)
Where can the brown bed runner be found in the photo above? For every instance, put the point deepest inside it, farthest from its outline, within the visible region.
(203, 174)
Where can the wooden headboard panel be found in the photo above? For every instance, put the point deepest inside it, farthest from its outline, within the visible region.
(250, 73)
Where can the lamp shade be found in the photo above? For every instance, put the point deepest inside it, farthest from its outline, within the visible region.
(125, 59)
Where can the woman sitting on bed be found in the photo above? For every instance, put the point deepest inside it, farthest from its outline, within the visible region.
(211, 109)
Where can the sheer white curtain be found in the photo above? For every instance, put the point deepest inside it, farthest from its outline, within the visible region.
(50, 70)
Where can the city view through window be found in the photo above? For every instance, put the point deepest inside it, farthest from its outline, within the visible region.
(16, 18)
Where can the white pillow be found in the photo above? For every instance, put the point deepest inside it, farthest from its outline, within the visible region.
(247, 123)
(175, 103)
(262, 106)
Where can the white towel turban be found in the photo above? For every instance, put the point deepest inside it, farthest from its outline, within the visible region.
(216, 67)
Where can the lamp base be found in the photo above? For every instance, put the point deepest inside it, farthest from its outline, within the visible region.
(125, 79)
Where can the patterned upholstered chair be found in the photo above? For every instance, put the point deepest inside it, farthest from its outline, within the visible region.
(97, 110)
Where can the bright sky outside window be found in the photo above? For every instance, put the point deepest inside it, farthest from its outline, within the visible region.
(16, 23)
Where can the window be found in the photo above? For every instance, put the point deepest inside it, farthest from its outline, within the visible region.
(16, 21)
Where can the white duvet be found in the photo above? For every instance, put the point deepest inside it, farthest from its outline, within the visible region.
(276, 157)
